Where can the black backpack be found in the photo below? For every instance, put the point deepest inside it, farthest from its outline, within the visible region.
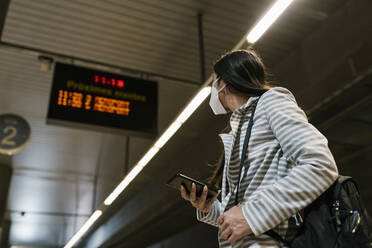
(336, 219)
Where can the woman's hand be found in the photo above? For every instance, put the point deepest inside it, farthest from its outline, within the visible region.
(233, 224)
(202, 204)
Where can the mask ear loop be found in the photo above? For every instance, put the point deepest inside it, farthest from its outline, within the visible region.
(215, 81)
(222, 88)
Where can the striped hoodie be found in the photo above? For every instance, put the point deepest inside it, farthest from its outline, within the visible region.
(288, 165)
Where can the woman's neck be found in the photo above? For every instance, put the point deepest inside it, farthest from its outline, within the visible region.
(236, 102)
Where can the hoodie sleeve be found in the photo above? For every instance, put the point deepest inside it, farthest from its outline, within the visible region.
(314, 171)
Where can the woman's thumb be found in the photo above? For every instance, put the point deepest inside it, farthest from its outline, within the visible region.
(219, 191)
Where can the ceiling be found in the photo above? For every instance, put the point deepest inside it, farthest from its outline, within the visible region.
(64, 174)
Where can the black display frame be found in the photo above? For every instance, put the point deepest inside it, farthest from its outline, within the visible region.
(142, 94)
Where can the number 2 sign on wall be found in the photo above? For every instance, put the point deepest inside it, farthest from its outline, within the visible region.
(14, 134)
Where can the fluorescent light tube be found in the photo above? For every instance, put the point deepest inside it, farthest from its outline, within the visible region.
(84, 228)
(148, 156)
(131, 175)
(185, 114)
(267, 20)
(194, 104)
(114, 194)
(172, 129)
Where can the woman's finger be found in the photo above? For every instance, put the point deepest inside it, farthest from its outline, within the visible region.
(226, 233)
(203, 197)
(193, 193)
(224, 226)
(232, 239)
(184, 194)
(210, 201)
(219, 220)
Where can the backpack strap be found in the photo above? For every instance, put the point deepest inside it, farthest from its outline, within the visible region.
(244, 150)
(271, 233)
(338, 184)
(335, 199)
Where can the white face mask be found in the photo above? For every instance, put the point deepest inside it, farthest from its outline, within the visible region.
(215, 102)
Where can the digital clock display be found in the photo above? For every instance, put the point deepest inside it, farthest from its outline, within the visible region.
(86, 98)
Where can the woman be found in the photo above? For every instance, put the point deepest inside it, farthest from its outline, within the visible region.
(287, 165)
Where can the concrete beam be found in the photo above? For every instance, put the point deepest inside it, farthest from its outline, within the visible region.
(4, 5)
(5, 176)
(4, 234)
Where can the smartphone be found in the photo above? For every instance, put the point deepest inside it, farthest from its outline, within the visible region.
(179, 179)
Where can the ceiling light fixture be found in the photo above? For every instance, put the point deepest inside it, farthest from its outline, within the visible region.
(84, 228)
(267, 20)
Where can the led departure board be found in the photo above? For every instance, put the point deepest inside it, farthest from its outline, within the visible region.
(102, 101)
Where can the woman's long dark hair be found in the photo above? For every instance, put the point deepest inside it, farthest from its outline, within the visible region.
(245, 74)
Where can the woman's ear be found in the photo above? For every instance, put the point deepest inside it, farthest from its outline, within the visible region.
(224, 96)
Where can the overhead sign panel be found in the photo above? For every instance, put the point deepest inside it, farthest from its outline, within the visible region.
(102, 101)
